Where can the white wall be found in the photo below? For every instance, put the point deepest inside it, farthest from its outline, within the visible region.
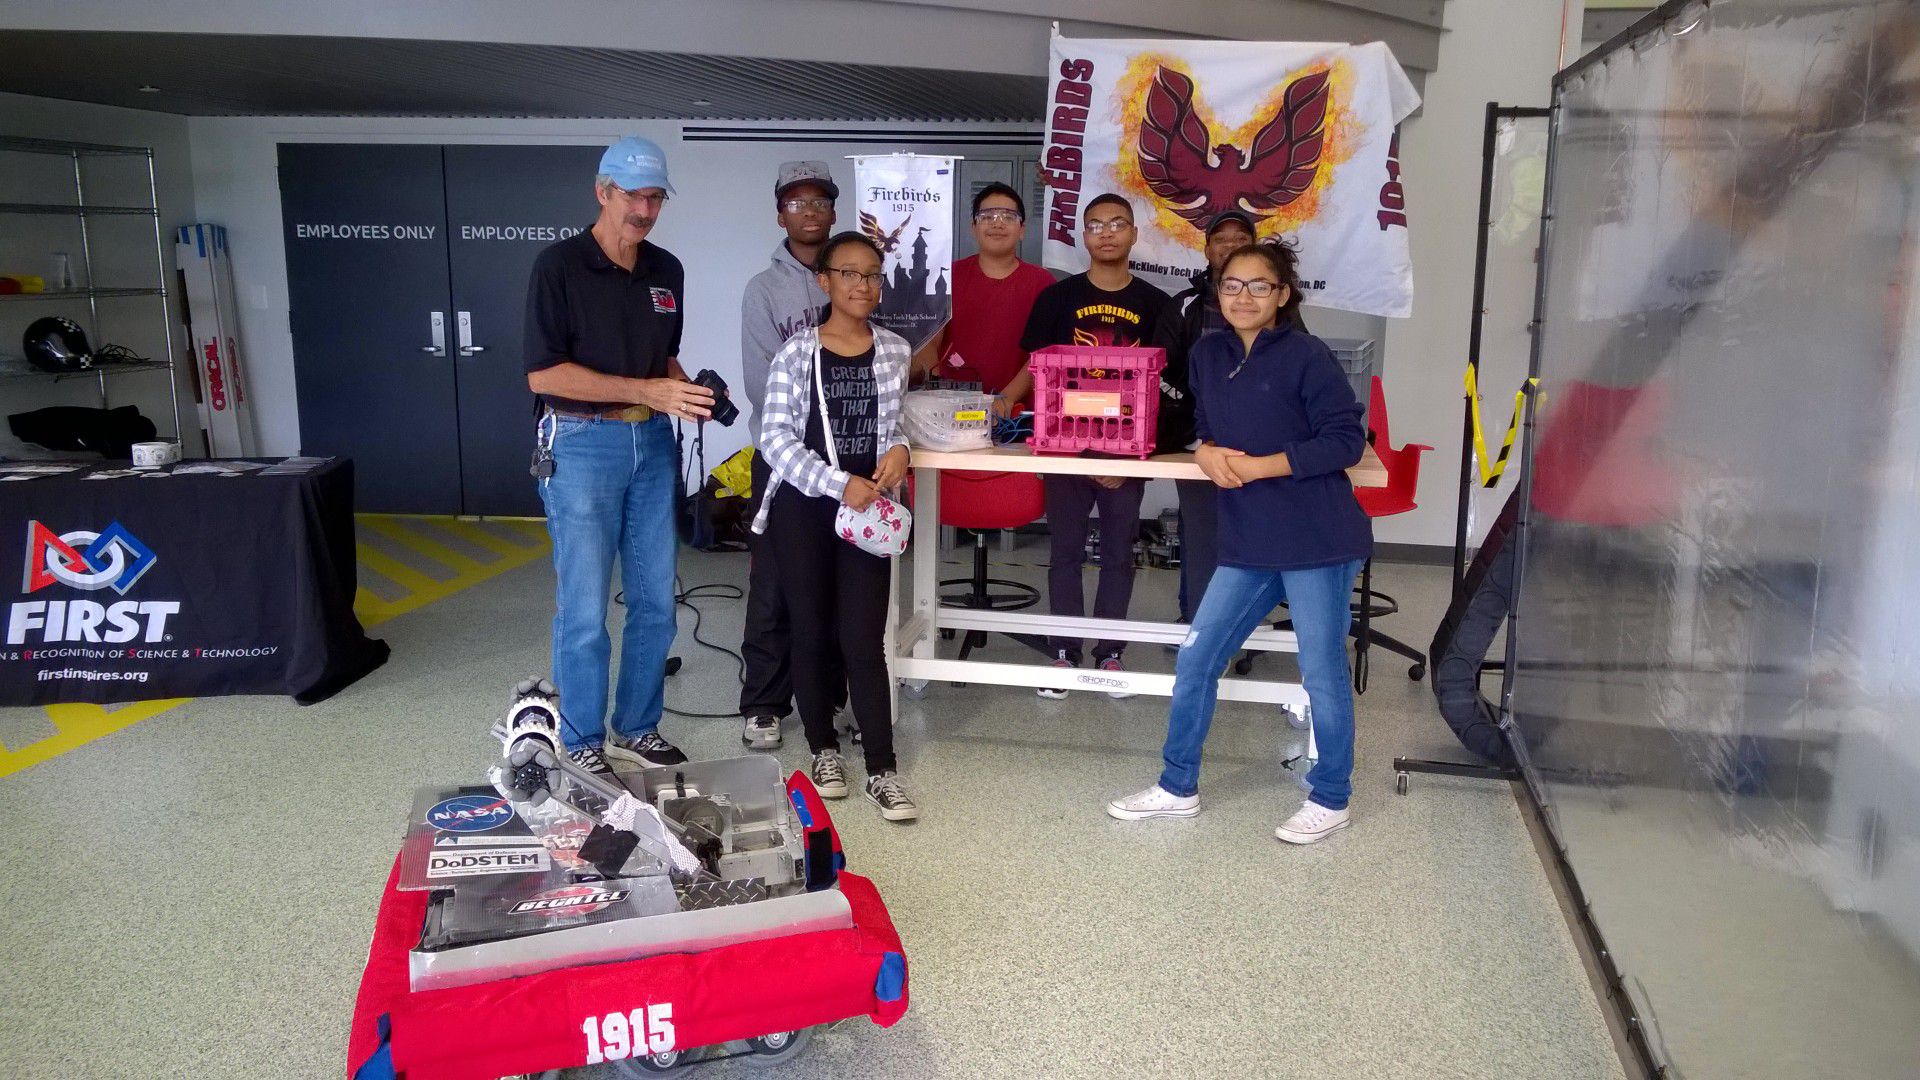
(122, 247)
(1494, 50)
(720, 224)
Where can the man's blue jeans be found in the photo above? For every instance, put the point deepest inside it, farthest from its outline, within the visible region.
(1238, 600)
(611, 495)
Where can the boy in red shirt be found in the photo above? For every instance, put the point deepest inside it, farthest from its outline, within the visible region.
(992, 295)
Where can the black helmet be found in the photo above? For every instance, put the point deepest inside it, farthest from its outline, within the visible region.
(57, 344)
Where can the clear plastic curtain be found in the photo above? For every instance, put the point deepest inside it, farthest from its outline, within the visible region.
(1718, 683)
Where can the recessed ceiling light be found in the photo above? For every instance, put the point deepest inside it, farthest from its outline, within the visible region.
(149, 88)
(701, 101)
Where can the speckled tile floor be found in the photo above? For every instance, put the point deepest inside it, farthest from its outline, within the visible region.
(192, 896)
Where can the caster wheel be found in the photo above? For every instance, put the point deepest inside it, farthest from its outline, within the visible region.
(671, 1063)
(768, 1051)
(1298, 719)
(1400, 783)
(913, 691)
(1242, 666)
(1417, 672)
(946, 635)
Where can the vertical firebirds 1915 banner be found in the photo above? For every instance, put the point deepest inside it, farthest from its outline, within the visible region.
(1300, 136)
(906, 209)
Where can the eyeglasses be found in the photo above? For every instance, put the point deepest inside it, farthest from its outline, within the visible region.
(640, 196)
(1259, 288)
(855, 277)
(1002, 217)
(1116, 225)
(798, 206)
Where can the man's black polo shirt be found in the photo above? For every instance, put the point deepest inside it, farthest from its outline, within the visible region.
(582, 307)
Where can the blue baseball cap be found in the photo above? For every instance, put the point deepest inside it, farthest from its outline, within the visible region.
(636, 163)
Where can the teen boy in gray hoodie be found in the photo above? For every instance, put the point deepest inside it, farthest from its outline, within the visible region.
(779, 302)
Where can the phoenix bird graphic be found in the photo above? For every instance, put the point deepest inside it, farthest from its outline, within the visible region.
(1197, 183)
(888, 241)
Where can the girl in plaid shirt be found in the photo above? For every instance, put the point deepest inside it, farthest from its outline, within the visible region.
(836, 594)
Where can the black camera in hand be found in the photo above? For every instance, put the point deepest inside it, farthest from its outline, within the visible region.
(724, 411)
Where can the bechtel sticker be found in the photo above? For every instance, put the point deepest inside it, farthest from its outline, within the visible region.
(472, 863)
(574, 900)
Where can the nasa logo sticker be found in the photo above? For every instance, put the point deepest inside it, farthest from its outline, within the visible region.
(470, 814)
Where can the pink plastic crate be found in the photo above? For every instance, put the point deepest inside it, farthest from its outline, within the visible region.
(1099, 398)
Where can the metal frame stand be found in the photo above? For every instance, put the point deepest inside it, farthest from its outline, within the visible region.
(1495, 114)
(1404, 768)
(82, 210)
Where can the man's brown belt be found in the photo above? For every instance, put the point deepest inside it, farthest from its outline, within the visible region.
(632, 414)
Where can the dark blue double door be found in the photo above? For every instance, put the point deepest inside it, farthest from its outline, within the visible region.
(407, 275)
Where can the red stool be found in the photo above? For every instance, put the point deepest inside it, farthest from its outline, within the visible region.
(984, 502)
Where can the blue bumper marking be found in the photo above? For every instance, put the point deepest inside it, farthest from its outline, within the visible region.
(892, 981)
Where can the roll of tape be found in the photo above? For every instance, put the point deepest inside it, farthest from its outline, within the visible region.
(154, 455)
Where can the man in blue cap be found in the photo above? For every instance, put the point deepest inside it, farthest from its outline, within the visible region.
(604, 314)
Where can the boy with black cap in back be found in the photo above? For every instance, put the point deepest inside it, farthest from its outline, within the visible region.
(780, 301)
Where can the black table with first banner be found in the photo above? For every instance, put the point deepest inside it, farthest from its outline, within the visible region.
(200, 578)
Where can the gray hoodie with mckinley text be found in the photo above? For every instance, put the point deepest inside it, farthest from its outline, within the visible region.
(779, 302)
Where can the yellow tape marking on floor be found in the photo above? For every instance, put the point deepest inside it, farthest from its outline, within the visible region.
(420, 544)
(81, 724)
(78, 724)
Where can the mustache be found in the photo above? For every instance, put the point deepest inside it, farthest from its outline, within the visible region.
(640, 221)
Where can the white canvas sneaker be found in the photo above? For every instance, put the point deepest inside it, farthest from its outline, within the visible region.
(1311, 824)
(1154, 802)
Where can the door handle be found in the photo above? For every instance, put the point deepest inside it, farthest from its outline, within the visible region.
(467, 347)
(437, 324)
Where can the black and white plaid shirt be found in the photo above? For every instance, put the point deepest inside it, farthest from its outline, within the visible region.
(790, 400)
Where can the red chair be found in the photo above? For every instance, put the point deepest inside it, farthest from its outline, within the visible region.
(1403, 479)
(985, 502)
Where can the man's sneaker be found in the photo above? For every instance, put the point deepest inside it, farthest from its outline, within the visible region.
(589, 759)
(649, 750)
(829, 776)
(885, 792)
(761, 732)
(1112, 663)
(1154, 802)
(1052, 693)
(1311, 824)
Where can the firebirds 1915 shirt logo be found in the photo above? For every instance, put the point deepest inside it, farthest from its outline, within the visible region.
(112, 558)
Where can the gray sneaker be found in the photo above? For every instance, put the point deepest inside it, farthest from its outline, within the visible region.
(589, 759)
(761, 732)
(648, 750)
(885, 792)
(829, 776)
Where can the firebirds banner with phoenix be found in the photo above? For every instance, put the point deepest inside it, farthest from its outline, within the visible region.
(1300, 136)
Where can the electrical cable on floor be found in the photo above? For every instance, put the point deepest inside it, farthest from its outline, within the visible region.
(684, 597)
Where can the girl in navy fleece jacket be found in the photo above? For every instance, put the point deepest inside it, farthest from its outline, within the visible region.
(1279, 426)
